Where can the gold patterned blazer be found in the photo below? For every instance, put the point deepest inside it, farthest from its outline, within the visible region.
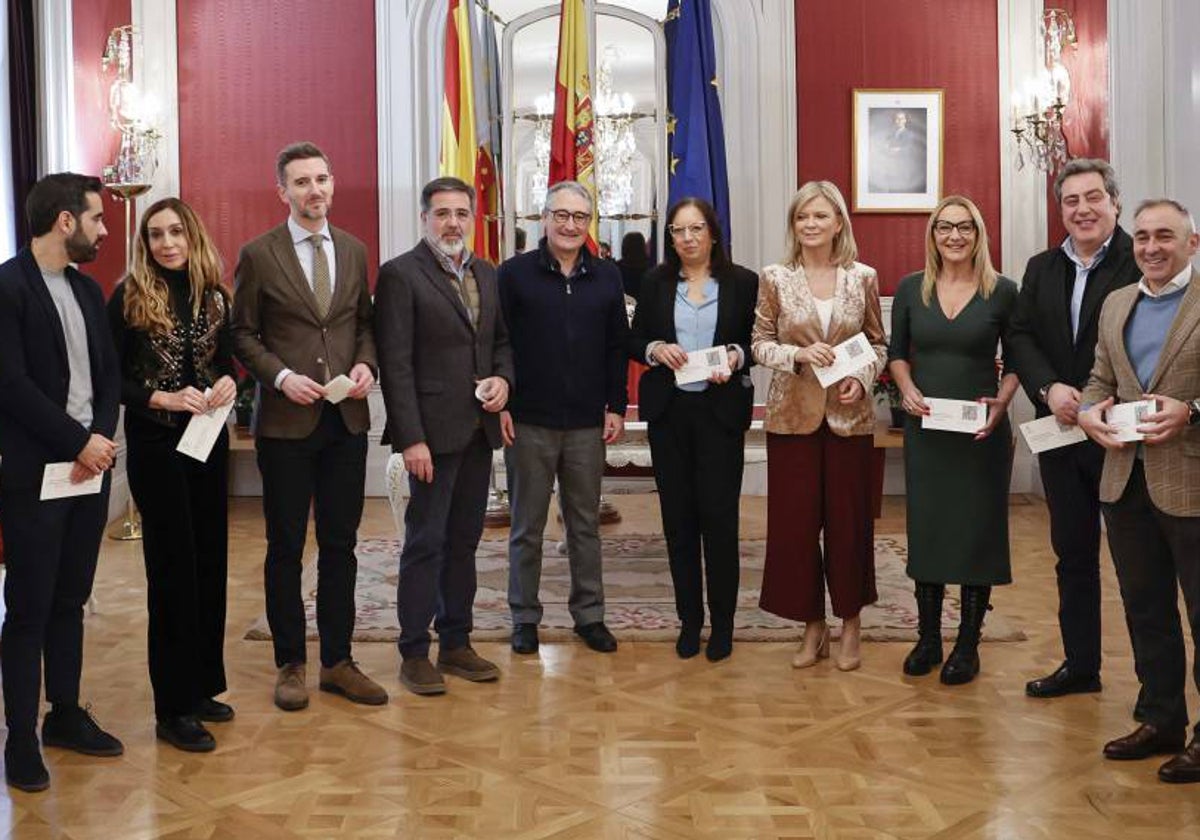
(786, 320)
(1172, 468)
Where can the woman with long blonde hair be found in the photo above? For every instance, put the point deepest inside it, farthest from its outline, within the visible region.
(820, 441)
(946, 324)
(170, 324)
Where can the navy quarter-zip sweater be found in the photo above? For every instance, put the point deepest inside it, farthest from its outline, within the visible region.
(568, 339)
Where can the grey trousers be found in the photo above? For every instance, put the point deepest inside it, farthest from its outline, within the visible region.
(576, 458)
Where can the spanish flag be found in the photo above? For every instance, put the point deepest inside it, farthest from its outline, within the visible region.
(459, 149)
(486, 60)
(571, 153)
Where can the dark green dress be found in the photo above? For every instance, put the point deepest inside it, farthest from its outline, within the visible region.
(956, 487)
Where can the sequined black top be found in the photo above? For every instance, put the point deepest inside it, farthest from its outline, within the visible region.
(196, 352)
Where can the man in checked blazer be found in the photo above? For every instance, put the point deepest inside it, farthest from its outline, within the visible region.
(446, 368)
(301, 318)
(1149, 348)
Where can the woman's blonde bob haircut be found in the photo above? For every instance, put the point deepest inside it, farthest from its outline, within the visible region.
(146, 300)
(981, 260)
(844, 251)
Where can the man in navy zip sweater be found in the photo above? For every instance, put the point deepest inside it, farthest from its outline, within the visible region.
(565, 311)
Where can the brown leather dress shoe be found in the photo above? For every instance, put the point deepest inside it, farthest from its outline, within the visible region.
(346, 679)
(1183, 768)
(466, 663)
(1143, 742)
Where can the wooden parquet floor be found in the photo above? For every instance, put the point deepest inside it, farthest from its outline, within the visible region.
(573, 745)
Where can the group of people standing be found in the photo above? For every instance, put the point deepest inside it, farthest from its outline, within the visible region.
(532, 356)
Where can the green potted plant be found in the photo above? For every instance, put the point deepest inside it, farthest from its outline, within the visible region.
(886, 391)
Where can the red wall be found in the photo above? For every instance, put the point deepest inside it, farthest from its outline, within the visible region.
(1086, 117)
(255, 75)
(912, 44)
(96, 142)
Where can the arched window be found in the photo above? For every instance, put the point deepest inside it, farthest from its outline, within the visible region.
(628, 98)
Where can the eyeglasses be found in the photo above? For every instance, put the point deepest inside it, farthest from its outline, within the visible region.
(681, 231)
(563, 216)
(946, 228)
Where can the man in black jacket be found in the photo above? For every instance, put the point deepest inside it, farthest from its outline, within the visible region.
(61, 387)
(1054, 345)
(566, 319)
(445, 368)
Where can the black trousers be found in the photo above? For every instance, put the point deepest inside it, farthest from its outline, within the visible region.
(1157, 554)
(185, 528)
(442, 526)
(1071, 479)
(326, 471)
(50, 551)
(698, 465)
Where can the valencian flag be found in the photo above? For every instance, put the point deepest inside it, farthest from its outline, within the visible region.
(459, 149)
(696, 133)
(571, 151)
(487, 140)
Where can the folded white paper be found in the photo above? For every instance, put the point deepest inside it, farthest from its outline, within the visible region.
(967, 416)
(1126, 417)
(337, 388)
(851, 356)
(1047, 433)
(701, 364)
(202, 432)
(56, 482)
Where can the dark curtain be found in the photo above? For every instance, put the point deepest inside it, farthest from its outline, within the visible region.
(22, 97)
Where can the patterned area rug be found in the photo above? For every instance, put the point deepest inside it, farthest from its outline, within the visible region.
(640, 602)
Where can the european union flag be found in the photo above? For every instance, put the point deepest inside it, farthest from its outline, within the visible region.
(695, 131)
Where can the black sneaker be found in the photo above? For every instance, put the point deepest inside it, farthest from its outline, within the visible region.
(185, 732)
(23, 765)
(214, 711)
(73, 728)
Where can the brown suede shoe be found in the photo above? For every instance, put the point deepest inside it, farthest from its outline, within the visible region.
(466, 663)
(290, 693)
(418, 675)
(347, 680)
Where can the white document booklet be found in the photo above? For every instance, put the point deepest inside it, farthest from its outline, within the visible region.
(851, 356)
(202, 432)
(56, 482)
(1126, 417)
(701, 364)
(967, 416)
(337, 388)
(1047, 433)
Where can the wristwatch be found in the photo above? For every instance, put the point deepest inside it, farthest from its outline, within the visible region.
(1194, 413)
(1044, 393)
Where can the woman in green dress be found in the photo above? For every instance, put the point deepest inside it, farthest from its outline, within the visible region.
(946, 324)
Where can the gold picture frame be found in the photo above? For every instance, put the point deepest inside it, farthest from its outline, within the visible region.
(897, 151)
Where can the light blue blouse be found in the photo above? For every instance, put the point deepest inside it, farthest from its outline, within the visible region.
(696, 323)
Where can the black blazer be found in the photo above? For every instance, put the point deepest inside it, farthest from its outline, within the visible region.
(654, 320)
(1042, 348)
(430, 355)
(35, 428)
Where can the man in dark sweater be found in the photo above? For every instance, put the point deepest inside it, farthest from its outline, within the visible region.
(566, 321)
(1053, 344)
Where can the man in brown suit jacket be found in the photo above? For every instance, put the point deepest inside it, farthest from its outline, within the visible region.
(1149, 348)
(302, 318)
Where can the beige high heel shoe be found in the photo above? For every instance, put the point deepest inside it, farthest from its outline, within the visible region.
(806, 657)
(853, 661)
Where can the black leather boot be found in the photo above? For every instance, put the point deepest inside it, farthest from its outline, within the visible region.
(963, 663)
(928, 651)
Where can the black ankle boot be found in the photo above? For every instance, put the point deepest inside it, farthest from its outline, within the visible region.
(688, 643)
(963, 663)
(928, 651)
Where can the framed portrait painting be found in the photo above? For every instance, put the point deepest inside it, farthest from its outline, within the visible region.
(897, 151)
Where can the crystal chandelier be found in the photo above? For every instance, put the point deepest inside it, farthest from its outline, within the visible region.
(131, 113)
(1038, 107)
(613, 138)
